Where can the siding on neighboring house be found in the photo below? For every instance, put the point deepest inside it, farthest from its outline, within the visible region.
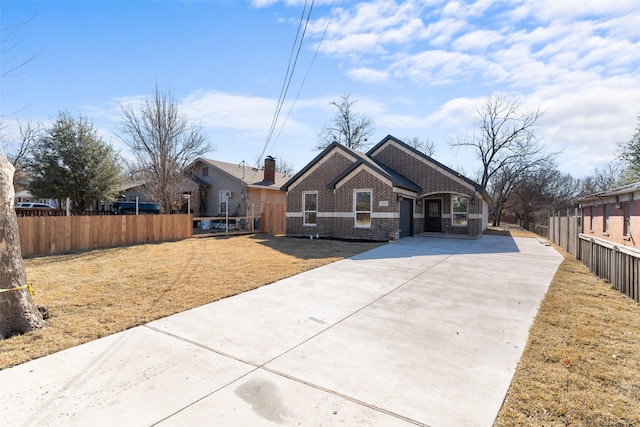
(252, 190)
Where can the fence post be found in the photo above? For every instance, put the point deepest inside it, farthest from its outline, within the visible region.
(612, 268)
(577, 231)
(568, 231)
(591, 254)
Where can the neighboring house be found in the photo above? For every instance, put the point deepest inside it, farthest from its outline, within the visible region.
(391, 190)
(191, 188)
(613, 215)
(240, 190)
(24, 196)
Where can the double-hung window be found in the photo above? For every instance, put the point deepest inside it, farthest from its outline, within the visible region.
(606, 209)
(310, 206)
(362, 208)
(459, 211)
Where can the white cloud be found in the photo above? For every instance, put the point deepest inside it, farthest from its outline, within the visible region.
(477, 40)
(368, 75)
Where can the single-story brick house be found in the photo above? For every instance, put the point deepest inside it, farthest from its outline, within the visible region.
(613, 215)
(391, 190)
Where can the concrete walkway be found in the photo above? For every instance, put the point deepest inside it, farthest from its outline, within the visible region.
(424, 331)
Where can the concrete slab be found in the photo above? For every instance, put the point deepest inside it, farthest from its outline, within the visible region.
(424, 331)
(266, 399)
(136, 377)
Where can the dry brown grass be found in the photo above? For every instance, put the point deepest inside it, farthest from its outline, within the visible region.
(93, 294)
(581, 366)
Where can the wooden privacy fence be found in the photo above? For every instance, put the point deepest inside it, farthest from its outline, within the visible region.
(617, 264)
(563, 230)
(273, 219)
(56, 234)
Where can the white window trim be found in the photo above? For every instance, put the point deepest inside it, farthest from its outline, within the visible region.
(304, 211)
(370, 211)
(453, 213)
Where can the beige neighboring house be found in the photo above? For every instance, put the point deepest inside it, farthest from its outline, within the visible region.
(241, 191)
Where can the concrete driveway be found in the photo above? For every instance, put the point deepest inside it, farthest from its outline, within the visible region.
(425, 331)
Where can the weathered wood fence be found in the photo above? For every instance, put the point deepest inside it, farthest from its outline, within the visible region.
(617, 264)
(56, 234)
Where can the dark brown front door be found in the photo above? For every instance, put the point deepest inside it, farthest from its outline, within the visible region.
(433, 215)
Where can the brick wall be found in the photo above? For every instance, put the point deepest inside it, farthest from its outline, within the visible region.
(437, 184)
(341, 201)
(616, 231)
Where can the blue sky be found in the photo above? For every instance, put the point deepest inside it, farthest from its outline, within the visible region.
(417, 68)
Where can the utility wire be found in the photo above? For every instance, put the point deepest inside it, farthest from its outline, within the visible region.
(288, 75)
(335, 6)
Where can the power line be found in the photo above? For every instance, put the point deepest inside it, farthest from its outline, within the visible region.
(289, 73)
(324, 33)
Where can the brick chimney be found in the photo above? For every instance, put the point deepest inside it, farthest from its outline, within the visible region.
(270, 170)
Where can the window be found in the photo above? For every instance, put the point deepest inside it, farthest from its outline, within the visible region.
(591, 218)
(205, 171)
(606, 217)
(362, 204)
(459, 213)
(310, 203)
(627, 219)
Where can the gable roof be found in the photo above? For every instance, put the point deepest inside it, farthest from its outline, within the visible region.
(250, 176)
(395, 178)
(433, 162)
(378, 167)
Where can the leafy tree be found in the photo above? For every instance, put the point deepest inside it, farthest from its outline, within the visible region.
(71, 161)
(629, 154)
(506, 146)
(347, 127)
(162, 142)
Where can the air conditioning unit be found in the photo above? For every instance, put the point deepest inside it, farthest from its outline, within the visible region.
(228, 194)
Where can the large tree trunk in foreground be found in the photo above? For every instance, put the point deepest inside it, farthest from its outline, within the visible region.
(18, 313)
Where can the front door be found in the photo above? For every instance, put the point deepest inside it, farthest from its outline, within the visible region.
(406, 217)
(433, 216)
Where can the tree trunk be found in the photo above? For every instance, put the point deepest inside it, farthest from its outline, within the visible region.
(18, 312)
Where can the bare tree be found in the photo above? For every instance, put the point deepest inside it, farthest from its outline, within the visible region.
(540, 191)
(506, 146)
(162, 142)
(18, 312)
(347, 127)
(427, 147)
(603, 178)
(283, 166)
(29, 135)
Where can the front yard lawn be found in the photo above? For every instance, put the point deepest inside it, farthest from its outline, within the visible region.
(97, 293)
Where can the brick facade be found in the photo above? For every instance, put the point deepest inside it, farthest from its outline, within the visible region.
(338, 172)
(593, 222)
